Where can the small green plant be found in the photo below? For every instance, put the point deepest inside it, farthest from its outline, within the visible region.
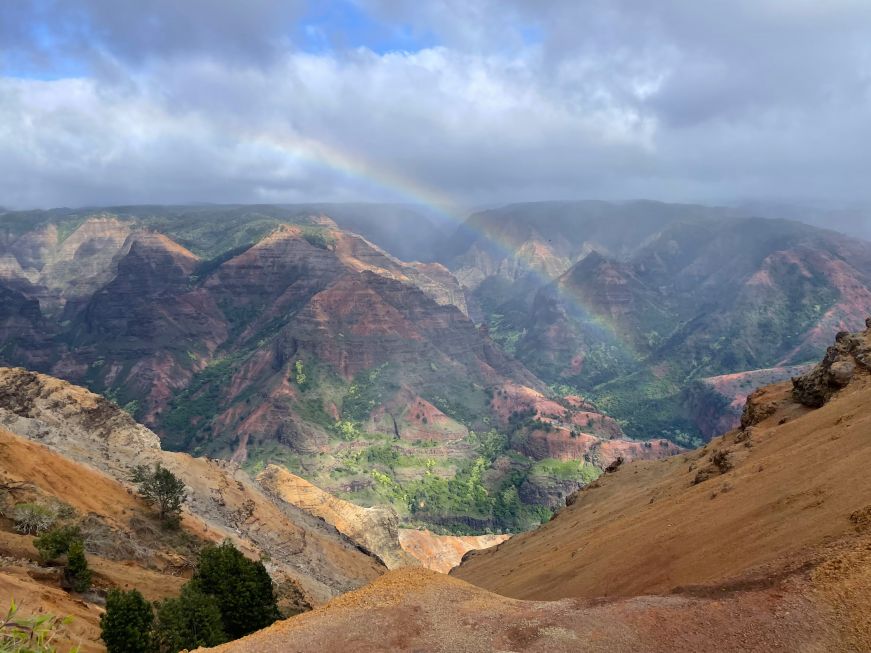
(76, 573)
(299, 373)
(161, 488)
(56, 542)
(126, 626)
(30, 634)
(347, 430)
(33, 518)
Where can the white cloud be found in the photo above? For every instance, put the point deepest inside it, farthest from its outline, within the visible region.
(672, 100)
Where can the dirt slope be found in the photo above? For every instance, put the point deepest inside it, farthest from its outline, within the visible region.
(420, 610)
(304, 551)
(790, 484)
(119, 529)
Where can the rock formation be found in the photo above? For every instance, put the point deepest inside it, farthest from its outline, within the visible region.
(850, 355)
(376, 530)
(443, 552)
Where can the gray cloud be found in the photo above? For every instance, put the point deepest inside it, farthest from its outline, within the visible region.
(673, 100)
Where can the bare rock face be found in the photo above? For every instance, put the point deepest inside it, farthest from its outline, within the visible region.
(62, 268)
(850, 355)
(444, 552)
(757, 408)
(373, 529)
(78, 423)
(148, 330)
(24, 332)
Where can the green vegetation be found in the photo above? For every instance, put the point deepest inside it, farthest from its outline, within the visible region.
(229, 596)
(19, 634)
(127, 624)
(299, 373)
(241, 587)
(318, 237)
(76, 573)
(56, 542)
(163, 489)
(370, 388)
(193, 409)
(190, 621)
(566, 470)
(205, 268)
(347, 430)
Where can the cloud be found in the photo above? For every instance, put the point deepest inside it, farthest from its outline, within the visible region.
(485, 102)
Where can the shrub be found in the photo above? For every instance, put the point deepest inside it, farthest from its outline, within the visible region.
(33, 518)
(189, 621)
(56, 542)
(299, 373)
(163, 489)
(76, 574)
(30, 634)
(242, 588)
(127, 623)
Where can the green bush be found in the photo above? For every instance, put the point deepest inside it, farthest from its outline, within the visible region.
(163, 489)
(127, 623)
(76, 573)
(189, 621)
(56, 542)
(242, 588)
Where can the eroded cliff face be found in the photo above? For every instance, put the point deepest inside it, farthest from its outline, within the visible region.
(443, 552)
(146, 332)
(373, 529)
(58, 268)
(716, 403)
(309, 343)
(87, 428)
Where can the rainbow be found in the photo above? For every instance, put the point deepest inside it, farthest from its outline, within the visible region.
(318, 153)
(397, 185)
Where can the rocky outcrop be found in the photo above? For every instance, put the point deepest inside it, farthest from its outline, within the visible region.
(373, 529)
(91, 430)
(850, 355)
(443, 552)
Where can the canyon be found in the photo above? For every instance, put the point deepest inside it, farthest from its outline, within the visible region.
(740, 545)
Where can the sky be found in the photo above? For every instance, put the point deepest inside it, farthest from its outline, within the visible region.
(449, 103)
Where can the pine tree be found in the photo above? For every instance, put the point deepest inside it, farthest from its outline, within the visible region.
(242, 588)
(76, 573)
(189, 621)
(161, 488)
(127, 623)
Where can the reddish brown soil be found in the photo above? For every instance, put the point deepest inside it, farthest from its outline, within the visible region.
(648, 528)
(418, 610)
